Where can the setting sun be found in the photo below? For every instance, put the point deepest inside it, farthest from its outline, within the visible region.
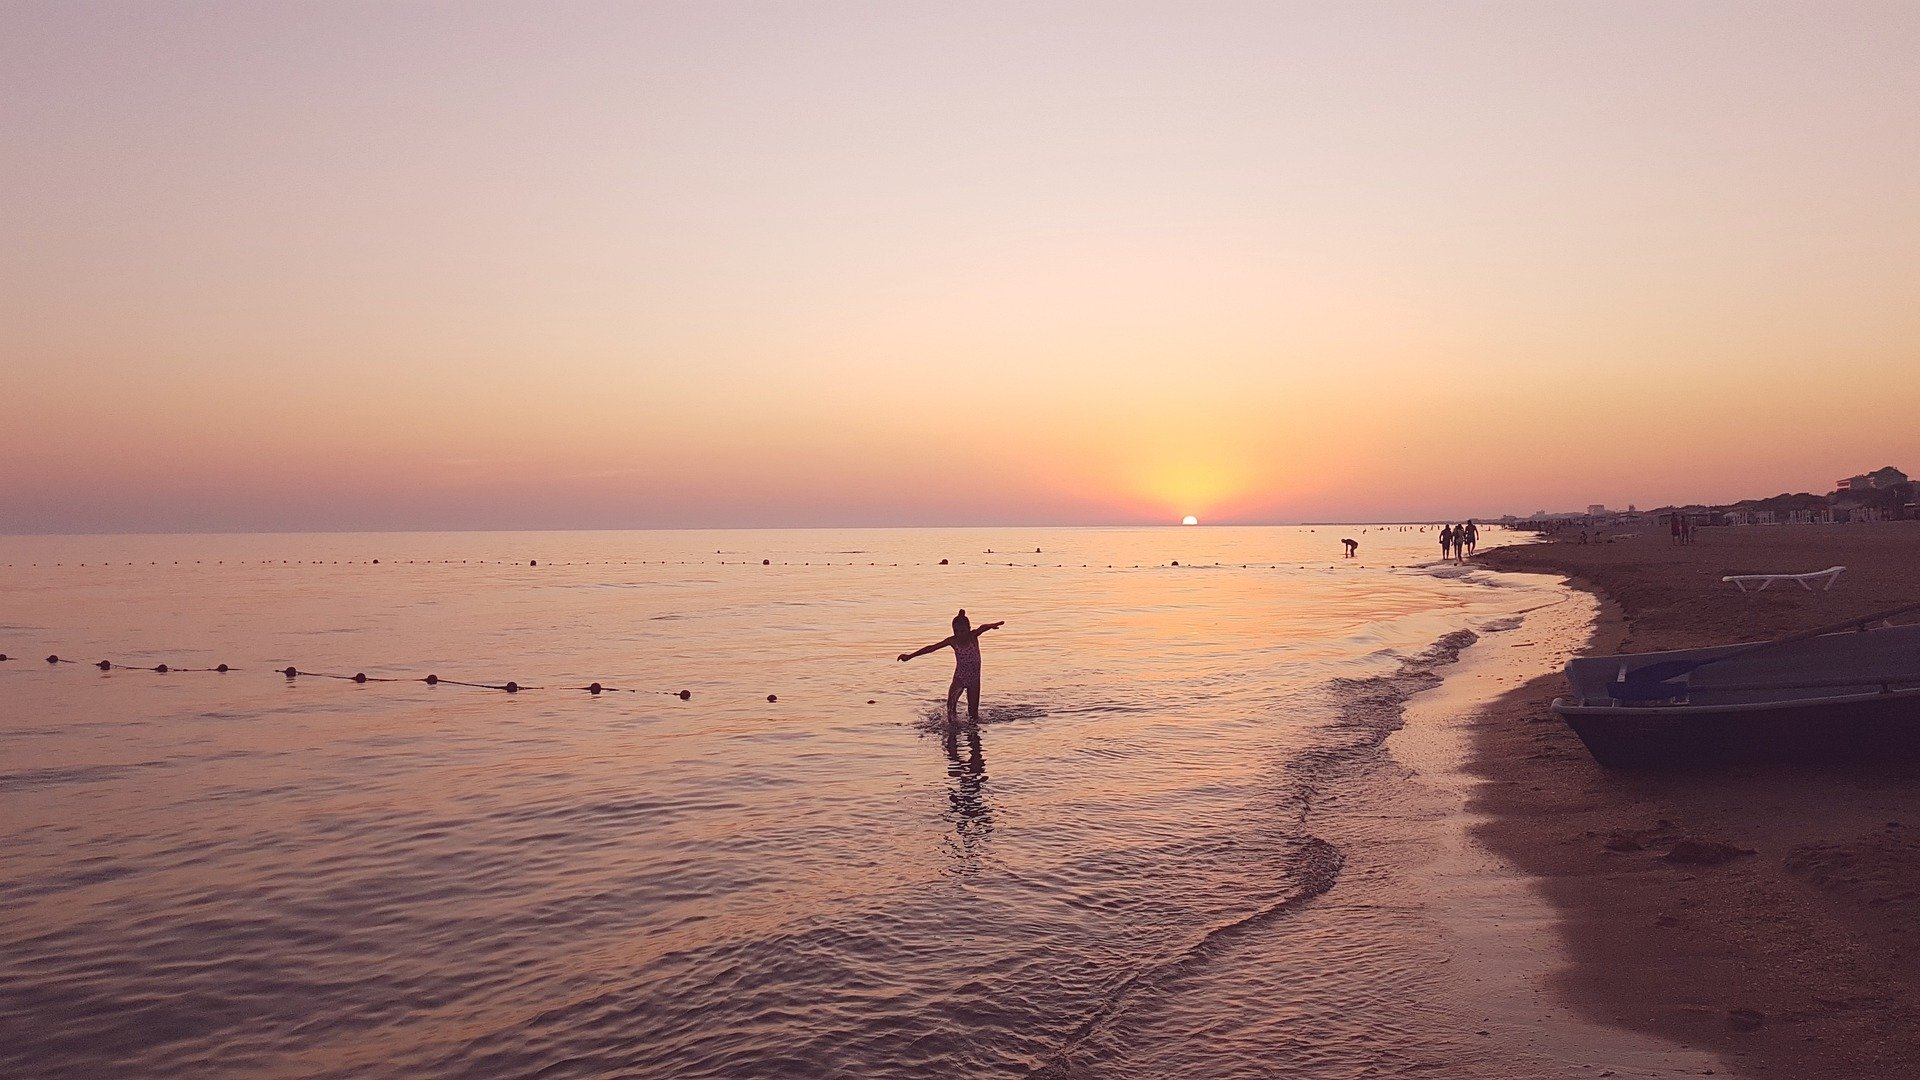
(1189, 520)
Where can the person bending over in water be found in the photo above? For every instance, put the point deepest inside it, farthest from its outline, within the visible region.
(966, 664)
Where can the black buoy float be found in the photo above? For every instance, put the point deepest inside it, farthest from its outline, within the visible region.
(512, 688)
(943, 562)
(431, 680)
(773, 697)
(105, 665)
(222, 669)
(685, 694)
(593, 688)
(290, 672)
(162, 669)
(4, 656)
(54, 659)
(766, 562)
(359, 676)
(533, 562)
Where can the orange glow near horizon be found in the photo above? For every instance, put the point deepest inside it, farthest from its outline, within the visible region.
(1260, 267)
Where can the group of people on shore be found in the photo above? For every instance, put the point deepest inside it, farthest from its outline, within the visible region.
(1458, 541)
(1682, 528)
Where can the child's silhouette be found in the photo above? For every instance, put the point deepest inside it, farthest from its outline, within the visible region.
(966, 664)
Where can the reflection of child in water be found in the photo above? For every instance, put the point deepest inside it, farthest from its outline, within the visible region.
(966, 664)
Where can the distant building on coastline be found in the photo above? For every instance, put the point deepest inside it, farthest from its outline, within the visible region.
(1877, 480)
(1596, 509)
(1881, 495)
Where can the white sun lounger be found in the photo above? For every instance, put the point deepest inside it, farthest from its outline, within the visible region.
(1759, 582)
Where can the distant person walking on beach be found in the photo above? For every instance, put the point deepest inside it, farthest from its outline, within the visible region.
(965, 643)
(1674, 524)
(1351, 546)
(1473, 536)
(1446, 541)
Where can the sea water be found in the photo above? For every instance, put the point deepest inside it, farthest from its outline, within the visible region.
(1168, 848)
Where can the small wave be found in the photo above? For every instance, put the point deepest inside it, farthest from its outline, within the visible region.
(29, 779)
(1314, 866)
(1367, 711)
(1097, 708)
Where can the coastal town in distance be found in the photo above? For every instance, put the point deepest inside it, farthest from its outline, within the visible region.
(1885, 494)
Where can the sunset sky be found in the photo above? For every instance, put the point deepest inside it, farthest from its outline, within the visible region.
(386, 265)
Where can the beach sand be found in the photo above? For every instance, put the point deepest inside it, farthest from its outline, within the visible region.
(1799, 959)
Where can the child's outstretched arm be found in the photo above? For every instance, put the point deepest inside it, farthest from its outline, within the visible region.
(941, 644)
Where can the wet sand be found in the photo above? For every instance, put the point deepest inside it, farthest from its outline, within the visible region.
(1504, 948)
(1799, 959)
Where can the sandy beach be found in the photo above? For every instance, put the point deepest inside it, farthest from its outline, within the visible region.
(1799, 959)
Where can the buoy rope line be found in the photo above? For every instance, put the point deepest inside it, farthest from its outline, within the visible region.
(108, 665)
(362, 677)
(508, 687)
(291, 673)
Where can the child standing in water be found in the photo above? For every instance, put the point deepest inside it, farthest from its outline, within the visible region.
(966, 664)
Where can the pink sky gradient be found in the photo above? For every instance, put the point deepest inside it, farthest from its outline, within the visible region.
(367, 266)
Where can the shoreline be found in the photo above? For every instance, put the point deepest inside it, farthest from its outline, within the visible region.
(1800, 959)
(1504, 941)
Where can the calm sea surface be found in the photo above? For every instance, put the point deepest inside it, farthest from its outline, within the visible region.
(1169, 849)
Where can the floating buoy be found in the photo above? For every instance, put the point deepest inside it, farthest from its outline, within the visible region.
(512, 688)
(105, 665)
(53, 659)
(222, 669)
(943, 562)
(766, 562)
(1176, 562)
(359, 676)
(685, 694)
(376, 562)
(431, 680)
(593, 688)
(291, 672)
(870, 701)
(4, 656)
(162, 669)
(533, 562)
(773, 697)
